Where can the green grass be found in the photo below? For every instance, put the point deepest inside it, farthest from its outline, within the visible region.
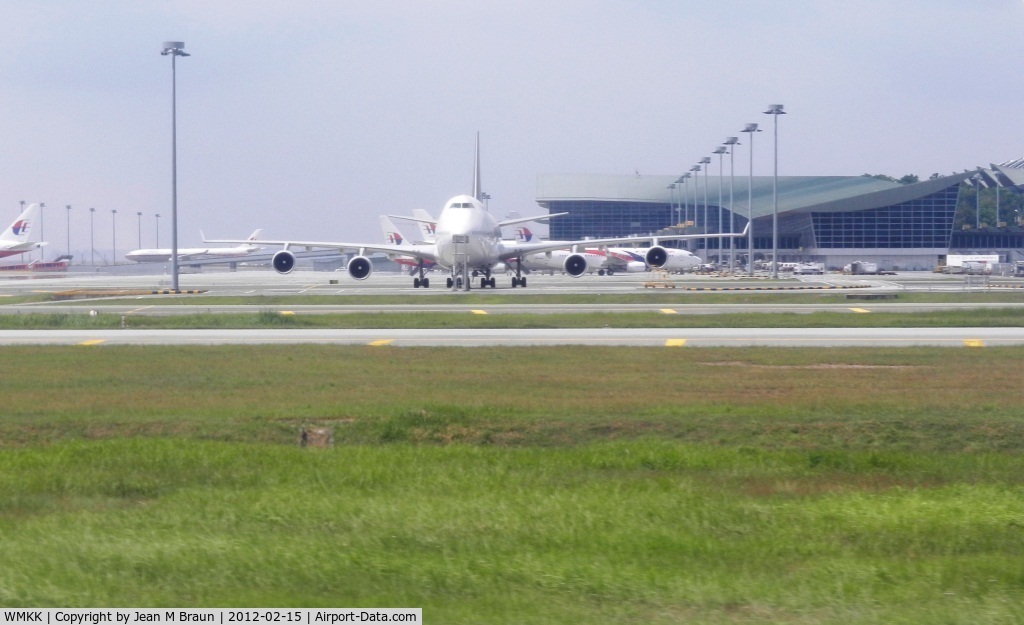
(651, 296)
(982, 317)
(525, 485)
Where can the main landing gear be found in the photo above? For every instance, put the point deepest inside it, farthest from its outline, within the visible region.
(519, 279)
(421, 281)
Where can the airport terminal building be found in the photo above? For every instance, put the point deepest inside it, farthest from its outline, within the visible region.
(833, 220)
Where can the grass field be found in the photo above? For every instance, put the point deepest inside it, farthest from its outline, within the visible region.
(519, 485)
(981, 317)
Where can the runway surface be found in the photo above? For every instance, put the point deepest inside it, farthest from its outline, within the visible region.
(642, 337)
(134, 297)
(133, 294)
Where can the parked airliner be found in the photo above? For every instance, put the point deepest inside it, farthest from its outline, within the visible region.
(196, 253)
(14, 239)
(467, 239)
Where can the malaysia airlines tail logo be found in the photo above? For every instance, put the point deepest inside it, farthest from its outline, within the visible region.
(394, 238)
(524, 235)
(20, 227)
(431, 228)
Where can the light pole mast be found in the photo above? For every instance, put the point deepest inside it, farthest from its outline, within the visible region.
(706, 162)
(92, 237)
(730, 142)
(113, 236)
(751, 128)
(68, 207)
(175, 49)
(720, 151)
(775, 110)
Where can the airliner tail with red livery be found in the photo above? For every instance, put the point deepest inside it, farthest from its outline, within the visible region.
(14, 239)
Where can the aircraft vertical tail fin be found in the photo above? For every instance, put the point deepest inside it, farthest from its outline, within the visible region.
(427, 224)
(18, 231)
(392, 235)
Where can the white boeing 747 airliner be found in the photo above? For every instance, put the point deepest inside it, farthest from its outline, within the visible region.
(467, 239)
(195, 253)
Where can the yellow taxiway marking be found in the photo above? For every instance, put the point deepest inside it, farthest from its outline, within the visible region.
(381, 342)
(675, 342)
(669, 311)
(479, 312)
(285, 313)
(139, 309)
(974, 343)
(860, 310)
(93, 342)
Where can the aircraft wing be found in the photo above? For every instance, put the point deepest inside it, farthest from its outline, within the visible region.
(513, 249)
(426, 252)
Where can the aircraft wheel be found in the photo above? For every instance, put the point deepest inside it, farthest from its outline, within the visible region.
(415, 283)
(450, 283)
(425, 283)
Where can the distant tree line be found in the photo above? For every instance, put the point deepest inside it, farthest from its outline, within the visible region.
(1011, 203)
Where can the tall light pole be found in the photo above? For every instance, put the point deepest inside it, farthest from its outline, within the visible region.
(775, 110)
(139, 213)
(68, 207)
(750, 128)
(683, 199)
(705, 162)
(977, 200)
(175, 49)
(672, 198)
(694, 170)
(92, 238)
(731, 141)
(720, 151)
(158, 229)
(113, 236)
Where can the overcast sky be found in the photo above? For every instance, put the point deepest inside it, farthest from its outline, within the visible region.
(309, 118)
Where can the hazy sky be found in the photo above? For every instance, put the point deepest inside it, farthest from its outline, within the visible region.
(309, 118)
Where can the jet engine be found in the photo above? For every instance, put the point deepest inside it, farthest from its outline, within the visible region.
(283, 261)
(360, 267)
(575, 265)
(670, 258)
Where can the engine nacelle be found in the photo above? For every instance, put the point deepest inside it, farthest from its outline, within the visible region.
(283, 261)
(575, 265)
(671, 259)
(360, 267)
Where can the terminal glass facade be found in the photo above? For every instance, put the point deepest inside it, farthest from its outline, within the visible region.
(925, 222)
(589, 218)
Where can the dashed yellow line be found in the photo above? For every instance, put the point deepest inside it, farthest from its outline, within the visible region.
(287, 313)
(93, 342)
(669, 311)
(860, 310)
(675, 342)
(479, 312)
(130, 312)
(381, 342)
(974, 343)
